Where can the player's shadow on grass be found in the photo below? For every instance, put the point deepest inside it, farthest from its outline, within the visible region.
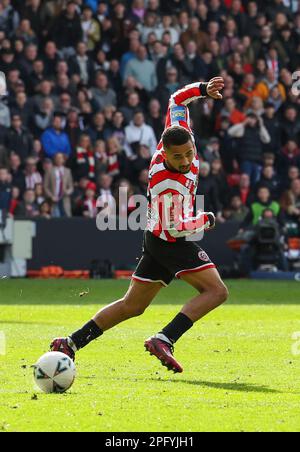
(243, 387)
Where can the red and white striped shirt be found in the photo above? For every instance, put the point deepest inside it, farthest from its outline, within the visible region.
(32, 180)
(172, 195)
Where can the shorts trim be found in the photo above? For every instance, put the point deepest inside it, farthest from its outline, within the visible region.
(197, 269)
(146, 280)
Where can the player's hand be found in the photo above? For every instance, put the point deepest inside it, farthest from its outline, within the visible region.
(214, 86)
(211, 219)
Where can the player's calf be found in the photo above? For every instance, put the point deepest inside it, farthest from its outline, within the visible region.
(132, 304)
(132, 308)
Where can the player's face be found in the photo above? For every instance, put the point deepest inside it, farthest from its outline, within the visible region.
(179, 158)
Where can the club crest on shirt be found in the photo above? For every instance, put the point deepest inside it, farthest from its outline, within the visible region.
(189, 184)
(203, 256)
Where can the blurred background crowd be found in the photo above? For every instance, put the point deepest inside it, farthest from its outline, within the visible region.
(88, 84)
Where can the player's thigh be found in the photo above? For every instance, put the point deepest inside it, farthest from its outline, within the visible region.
(140, 294)
(206, 280)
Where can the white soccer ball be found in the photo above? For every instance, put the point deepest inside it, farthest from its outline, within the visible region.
(54, 372)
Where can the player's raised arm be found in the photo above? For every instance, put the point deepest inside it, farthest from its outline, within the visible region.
(178, 113)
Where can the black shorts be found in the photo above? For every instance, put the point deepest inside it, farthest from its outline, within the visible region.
(162, 261)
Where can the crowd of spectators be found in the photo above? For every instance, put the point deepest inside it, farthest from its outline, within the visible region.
(88, 85)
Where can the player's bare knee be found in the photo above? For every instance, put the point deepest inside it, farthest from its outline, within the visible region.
(137, 311)
(218, 293)
(132, 308)
(221, 293)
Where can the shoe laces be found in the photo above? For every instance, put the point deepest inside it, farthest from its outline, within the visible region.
(171, 347)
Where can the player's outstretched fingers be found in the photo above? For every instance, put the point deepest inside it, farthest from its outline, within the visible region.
(214, 86)
(217, 79)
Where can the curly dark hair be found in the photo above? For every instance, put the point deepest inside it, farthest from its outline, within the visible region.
(175, 136)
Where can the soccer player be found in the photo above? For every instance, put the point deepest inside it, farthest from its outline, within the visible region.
(167, 253)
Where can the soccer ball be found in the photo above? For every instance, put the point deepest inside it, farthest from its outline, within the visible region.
(54, 372)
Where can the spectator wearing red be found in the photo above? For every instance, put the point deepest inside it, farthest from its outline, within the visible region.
(85, 159)
(248, 90)
(90, 202)
(243, 189)
(231, 112)
(15, 200)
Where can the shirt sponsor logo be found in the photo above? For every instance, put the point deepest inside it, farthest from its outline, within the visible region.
(178, 114)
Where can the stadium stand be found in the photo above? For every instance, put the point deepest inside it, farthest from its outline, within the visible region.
(88, 85)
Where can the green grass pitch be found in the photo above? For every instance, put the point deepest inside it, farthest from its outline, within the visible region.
(239, 370)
